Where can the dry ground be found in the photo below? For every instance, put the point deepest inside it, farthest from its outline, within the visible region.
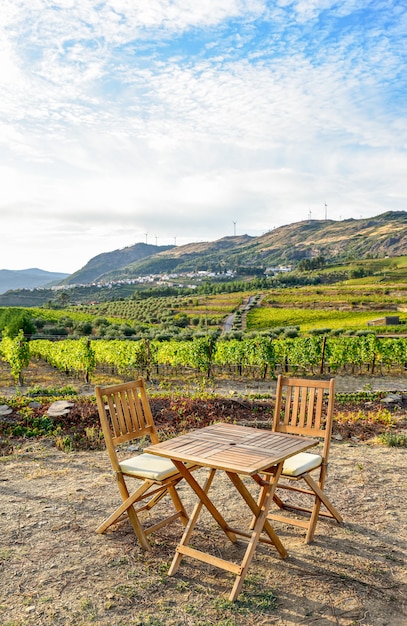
(55, 570)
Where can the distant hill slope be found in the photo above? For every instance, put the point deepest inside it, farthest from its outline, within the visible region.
(101, 265)
(384, 235)
(28, 279)
(191, 257)
(376, 237)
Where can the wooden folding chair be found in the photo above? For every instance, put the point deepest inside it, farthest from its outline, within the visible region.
(125, 416)
(305, 407)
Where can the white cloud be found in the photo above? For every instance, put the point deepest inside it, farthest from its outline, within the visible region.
(177, 118)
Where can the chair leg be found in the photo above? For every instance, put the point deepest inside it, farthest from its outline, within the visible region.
(277, 501)
(178, 505)
(321, 495)
(309, 537)
(129, 509)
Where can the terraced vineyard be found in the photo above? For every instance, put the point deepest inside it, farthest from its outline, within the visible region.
(268, 318)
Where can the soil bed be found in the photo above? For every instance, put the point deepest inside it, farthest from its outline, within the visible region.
(55, 570)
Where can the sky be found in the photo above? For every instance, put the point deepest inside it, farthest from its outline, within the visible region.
(176, 121)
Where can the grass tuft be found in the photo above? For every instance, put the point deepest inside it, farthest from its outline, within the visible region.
(393, 440)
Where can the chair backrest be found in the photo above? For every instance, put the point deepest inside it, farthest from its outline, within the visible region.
(305, 407)
(125, 414)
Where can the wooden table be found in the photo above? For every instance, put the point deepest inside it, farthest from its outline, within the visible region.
(235, 450)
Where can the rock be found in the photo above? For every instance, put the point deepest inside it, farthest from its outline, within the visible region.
(5, 409)
(393, 398)
(35, 405)
(59, 407)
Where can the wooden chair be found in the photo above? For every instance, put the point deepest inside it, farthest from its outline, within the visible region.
(305, 407)
(125, 416)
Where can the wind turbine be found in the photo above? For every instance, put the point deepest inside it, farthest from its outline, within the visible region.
(234, 228)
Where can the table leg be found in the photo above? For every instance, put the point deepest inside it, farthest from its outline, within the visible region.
(202, 495)
(256, 510)
(261, 518)
(190, 526)
(260, 512)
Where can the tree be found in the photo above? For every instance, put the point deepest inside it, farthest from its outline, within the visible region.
(63, 298)
(14, 320)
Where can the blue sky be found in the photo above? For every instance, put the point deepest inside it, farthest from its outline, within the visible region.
(179, 121)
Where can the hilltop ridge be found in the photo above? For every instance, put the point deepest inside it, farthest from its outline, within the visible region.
(383, 235)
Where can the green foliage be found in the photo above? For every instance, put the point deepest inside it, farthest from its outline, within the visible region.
(305, 265)
(67, 355)
(43, 392)
(394, 440)
(201, 353)
(13, 320)
(310, 319)
(16, 352)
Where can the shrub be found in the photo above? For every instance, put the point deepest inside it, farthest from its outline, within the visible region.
(394, 440)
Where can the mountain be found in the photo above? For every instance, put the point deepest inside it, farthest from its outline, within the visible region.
(28, 279)
(103, 264)
(380, 236)
(384, 235)
(190, 257)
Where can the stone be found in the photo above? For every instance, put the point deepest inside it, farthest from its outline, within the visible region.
(393, 398)
(5, 409)
(35, 405)
(59, 407)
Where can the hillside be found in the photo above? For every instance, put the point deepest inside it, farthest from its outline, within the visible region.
(28, 279)
(97, 269)
(207, 255)
(381, 237)
(384, 235)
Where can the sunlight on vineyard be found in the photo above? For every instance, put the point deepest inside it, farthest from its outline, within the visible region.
(300, 354)
(309, 319)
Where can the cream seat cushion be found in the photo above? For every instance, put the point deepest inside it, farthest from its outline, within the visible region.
(300, 463)
(148, 466)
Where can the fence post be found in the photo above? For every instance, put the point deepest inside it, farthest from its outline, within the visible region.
(321, 369)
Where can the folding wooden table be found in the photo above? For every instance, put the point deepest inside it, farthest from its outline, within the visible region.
(235, 450)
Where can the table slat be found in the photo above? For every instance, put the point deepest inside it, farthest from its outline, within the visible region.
(235, 448)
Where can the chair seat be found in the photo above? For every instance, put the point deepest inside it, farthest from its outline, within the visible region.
(148, 466)
(301, 463)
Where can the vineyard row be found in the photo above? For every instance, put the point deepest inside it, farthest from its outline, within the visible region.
(310, 355)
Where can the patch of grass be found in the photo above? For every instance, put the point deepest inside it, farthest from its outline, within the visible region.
(5, 554)
(393, 440)
(150, 620)
(94, 435)
(256, 598)
(46, 392)
(358, 396)
(380, 416)
(64, 443)
(127, 591)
